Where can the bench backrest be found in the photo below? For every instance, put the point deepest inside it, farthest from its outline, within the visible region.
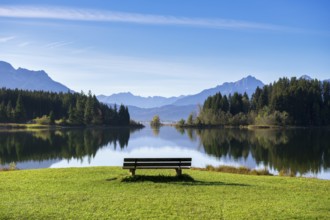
(157, 162)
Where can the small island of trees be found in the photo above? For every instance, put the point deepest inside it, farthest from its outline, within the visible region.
(155, 122)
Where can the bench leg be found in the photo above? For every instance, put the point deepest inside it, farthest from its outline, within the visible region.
(178, 172)
(132, 171)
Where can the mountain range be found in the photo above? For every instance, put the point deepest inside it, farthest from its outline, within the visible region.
(128, 98)
(167, 113)
(247, 84)
(20, 78)
(175, 108)
(140, 108)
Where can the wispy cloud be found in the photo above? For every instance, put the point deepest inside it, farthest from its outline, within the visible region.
(6, 39)
(24, 44)
(57, 44)
(112, 16)
(83, 50)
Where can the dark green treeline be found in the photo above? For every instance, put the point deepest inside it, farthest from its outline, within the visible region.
(286, 102)
(21, 106)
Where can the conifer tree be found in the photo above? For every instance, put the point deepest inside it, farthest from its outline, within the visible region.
(9, 112)
(224, 104)
(123, 115)
(79, 111)
(19, 113)
(88, 112)
(71, 114)
(51, 118)
(3, 115)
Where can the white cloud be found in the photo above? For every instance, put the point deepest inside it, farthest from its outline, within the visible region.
(6, 39)
(112, 16)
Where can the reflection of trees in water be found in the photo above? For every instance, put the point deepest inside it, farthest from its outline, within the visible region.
(191, 132)
(155, 130)
(297, 150)
(46, 145)
(225, 142)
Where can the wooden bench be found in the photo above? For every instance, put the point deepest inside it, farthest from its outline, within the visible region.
(157, 163)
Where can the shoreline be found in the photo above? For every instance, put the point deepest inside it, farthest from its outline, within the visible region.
(249, 127)
(25, 126)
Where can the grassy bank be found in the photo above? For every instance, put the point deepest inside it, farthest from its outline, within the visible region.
(101, 193)
(25, 126)
(31, 127)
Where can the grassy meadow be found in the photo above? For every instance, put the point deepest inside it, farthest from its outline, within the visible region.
(109, 193)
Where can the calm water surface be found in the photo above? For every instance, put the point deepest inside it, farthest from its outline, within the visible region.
(301, 151)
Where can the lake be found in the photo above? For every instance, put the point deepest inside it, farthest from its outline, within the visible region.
(303, 152)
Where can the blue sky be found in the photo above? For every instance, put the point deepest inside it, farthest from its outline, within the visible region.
(166, 48)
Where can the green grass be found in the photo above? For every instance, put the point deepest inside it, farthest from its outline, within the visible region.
(109, 193)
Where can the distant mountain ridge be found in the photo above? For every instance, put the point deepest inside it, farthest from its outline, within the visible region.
(247, 84)
(307, 77)
(167, 113)
(128, 98)
(25, 79)
(175, 108)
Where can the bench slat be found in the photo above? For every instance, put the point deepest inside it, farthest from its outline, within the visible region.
(156, 167)
(156, 159)
(148, 164)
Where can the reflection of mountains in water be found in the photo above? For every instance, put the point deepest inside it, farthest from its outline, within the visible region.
(297, 150)
(58, 144)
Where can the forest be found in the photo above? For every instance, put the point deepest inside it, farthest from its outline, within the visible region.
(296, 102)
(21, 106)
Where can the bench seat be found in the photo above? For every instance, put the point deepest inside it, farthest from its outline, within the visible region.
(157, 163)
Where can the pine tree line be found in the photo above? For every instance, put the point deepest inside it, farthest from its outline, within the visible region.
(285, 102)
(20, 106)
(307, 102)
